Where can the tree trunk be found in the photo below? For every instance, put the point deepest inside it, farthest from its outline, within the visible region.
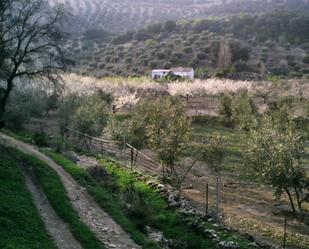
(298, 199)
(291, 200)
(4, 100)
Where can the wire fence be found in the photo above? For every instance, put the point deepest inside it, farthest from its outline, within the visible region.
(134, 159)
(122, 152)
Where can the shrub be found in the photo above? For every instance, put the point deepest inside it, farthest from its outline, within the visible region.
(306, 59)
(187, 50)
(201, 56)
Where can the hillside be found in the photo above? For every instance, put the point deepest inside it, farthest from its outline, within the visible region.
(121, 15)
(242, 46)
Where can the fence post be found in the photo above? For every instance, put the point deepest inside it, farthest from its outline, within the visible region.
(206, 200)
(124, 151)
(218, 197)
(132, 158)
(101, 145)
(284, 234)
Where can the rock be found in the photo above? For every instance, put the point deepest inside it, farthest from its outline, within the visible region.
(229, 244)
(249, 237)
(211, 233)
(253, 244)
(71, 155)
(112, 245)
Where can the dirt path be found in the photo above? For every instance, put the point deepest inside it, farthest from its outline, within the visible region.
(55, 226)
(110, 233)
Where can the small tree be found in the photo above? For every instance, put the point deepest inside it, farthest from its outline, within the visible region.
(244, 113)
(168, 131)
(91, 117)
(274, 156)
(163, 126)
(211, 152)
(225, 110)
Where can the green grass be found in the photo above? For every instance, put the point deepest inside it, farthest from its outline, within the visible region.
(154, 211)
(57, 196)
(20, 223)
(234, 140)
(23, 135)
(105, 198)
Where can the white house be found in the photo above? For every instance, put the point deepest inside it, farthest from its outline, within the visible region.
(186, 72)
(159, 73)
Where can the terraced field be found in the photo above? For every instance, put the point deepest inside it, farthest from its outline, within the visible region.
(122, 15)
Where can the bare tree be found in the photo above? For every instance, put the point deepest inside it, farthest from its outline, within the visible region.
(31, 43)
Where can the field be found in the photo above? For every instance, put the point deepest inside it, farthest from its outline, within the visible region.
(245, 202)
(123, 15)
(200, 96)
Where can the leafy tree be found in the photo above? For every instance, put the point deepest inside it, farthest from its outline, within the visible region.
(154, 28)
(239, 52)
(306, 59)
(31, 39)
(244, 112)
(168, 131)
(170, 26)
(226, 109)
(141, 35)
(91, 116)
(274, 153)
(68, 107)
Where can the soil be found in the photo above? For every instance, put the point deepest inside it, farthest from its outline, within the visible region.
(55, 226)
(106, 229)
(247, 206)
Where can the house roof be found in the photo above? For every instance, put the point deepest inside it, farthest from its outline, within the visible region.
(182, 69)
(160, 70)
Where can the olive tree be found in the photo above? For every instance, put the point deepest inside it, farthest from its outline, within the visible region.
(162, 126)
(225, 110)
(30, 40)
(274, 155)
(244, 112)
(168, 131)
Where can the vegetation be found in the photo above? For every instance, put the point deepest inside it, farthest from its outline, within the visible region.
(275, 153)
(162, 126)
(219, 47)
(57, 196)
(31, 48)
(106, 198)
(211, 152)
(146, 207)
(20, 223)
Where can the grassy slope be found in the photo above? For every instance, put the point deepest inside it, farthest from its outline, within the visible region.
(105, 198)
(57, 196)
(20, 224)
(158, 216)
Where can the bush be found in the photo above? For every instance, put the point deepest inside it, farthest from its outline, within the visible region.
(201, 56)
(306, 59)
(170, 26)
(40, 139)
(187, 50)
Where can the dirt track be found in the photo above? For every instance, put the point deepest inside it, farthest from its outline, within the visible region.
(110, 233)
(56, 227)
